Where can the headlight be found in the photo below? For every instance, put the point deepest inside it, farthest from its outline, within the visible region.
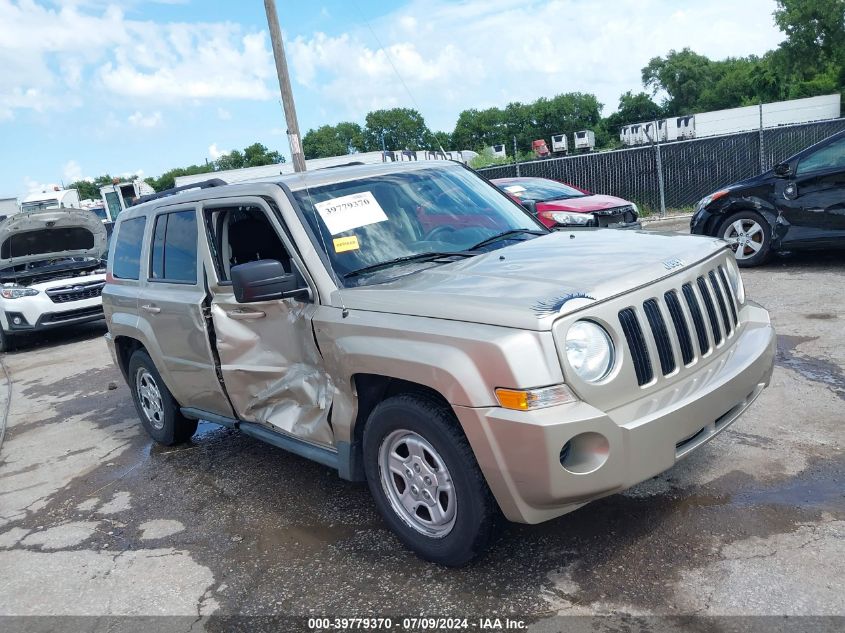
(589, 350)
(706, 200)
(577, 219)
(16, 292)
(636, 209)
(735, 280)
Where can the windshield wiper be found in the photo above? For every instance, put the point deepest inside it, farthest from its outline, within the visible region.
(407, 258)
(505, 235)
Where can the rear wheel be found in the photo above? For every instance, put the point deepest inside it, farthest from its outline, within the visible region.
(749, 236)
(156, 407)
(425, 481)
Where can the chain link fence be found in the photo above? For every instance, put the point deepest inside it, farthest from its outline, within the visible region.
(690, 169)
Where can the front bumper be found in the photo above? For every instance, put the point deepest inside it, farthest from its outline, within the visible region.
(34, 314)
(521, 453)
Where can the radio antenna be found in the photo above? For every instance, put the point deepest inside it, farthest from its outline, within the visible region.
(398, 74)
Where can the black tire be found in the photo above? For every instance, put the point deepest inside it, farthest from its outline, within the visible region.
(6, 341)
(168, 426)
(476, 512)
(745, 255)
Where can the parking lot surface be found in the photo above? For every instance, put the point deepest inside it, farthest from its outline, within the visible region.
(97, 520)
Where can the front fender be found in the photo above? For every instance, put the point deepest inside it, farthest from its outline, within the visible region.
(464, 362)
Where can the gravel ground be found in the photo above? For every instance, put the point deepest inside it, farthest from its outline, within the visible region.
(96, 520)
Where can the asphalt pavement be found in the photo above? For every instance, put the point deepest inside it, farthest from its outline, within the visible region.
(96, 520)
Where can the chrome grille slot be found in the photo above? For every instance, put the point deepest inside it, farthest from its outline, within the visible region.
(729, 295)
(637, 345)
(661, 336)
(680, 323)
(711, 310)
(723, 309)
(697, 318)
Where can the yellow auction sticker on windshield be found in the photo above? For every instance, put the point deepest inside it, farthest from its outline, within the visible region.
(343, 244)
(350, 212)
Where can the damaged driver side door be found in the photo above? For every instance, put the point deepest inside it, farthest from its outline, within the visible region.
(271, 367)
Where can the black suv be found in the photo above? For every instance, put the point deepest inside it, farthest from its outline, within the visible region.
(799, 204)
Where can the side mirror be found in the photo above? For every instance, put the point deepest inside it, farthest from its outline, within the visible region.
(531, 205)
(783, 170)
(264, 280)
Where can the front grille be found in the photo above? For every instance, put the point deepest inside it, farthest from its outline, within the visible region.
(636, 344)
(76, 292)
(616, 215)
(71, 315)
(711, 310)
(675, 345)
(661, 336)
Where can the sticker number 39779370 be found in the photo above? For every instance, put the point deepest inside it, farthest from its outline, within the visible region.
(350, 212)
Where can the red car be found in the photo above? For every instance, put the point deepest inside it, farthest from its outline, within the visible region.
(557, 204)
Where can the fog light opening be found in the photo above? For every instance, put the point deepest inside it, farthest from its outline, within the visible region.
(585, 453)
(17, 320)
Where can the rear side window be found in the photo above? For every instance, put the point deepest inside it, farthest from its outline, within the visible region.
(174, 252)
(127, 249)
(829, 157)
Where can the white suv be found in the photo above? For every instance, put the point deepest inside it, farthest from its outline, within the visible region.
(50, 270)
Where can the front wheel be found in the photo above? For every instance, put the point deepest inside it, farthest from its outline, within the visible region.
(749, 236)
(425, 481)
(156, 406)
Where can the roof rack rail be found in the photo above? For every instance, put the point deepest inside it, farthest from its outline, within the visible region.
(205, 184)
(350, 164)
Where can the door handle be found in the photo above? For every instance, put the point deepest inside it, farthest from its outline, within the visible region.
(240, 314)
(152, 309)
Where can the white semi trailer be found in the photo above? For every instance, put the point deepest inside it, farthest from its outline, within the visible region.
(734, 120)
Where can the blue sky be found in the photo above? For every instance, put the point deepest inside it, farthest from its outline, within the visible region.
(93, 86)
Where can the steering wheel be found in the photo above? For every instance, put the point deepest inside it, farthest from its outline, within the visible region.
(434, 234)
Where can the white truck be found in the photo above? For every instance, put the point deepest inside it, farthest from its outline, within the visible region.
(55, 198)
(119, 196)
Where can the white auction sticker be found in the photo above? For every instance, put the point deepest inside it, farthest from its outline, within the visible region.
(350, 212)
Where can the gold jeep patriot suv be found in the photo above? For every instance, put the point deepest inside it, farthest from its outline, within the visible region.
(411, 326)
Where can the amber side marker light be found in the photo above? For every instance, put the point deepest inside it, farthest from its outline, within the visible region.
(530, 399)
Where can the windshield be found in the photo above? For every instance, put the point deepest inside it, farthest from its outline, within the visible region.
(100, 212)
(39, 205)
(539, 189)
(363, 223)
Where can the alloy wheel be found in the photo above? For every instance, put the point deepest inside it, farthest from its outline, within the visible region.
(417, 483)
(149, 396)
(745, 236)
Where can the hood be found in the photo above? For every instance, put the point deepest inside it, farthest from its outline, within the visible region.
(530, 284)
(51, 233)
(586, 204)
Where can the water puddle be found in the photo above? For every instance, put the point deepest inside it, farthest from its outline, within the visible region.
(814, 369)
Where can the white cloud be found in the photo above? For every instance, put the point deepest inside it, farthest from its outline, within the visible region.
(216, 153)
(72, 172)
(480, 53)
(49, 53)
(223, 114)
(34, 186)
(149, 121)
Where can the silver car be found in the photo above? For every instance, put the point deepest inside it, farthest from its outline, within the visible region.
(410, 326)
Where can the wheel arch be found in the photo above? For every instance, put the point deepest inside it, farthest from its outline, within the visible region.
(370, 390)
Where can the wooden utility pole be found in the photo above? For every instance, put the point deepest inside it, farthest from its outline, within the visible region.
(284, 85)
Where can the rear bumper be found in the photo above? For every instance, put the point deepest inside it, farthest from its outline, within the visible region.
(535, 478)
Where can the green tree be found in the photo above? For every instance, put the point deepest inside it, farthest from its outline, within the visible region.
(86, 188)
(401, 128)
(333, 140)
(683, 75)
(257, 155)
